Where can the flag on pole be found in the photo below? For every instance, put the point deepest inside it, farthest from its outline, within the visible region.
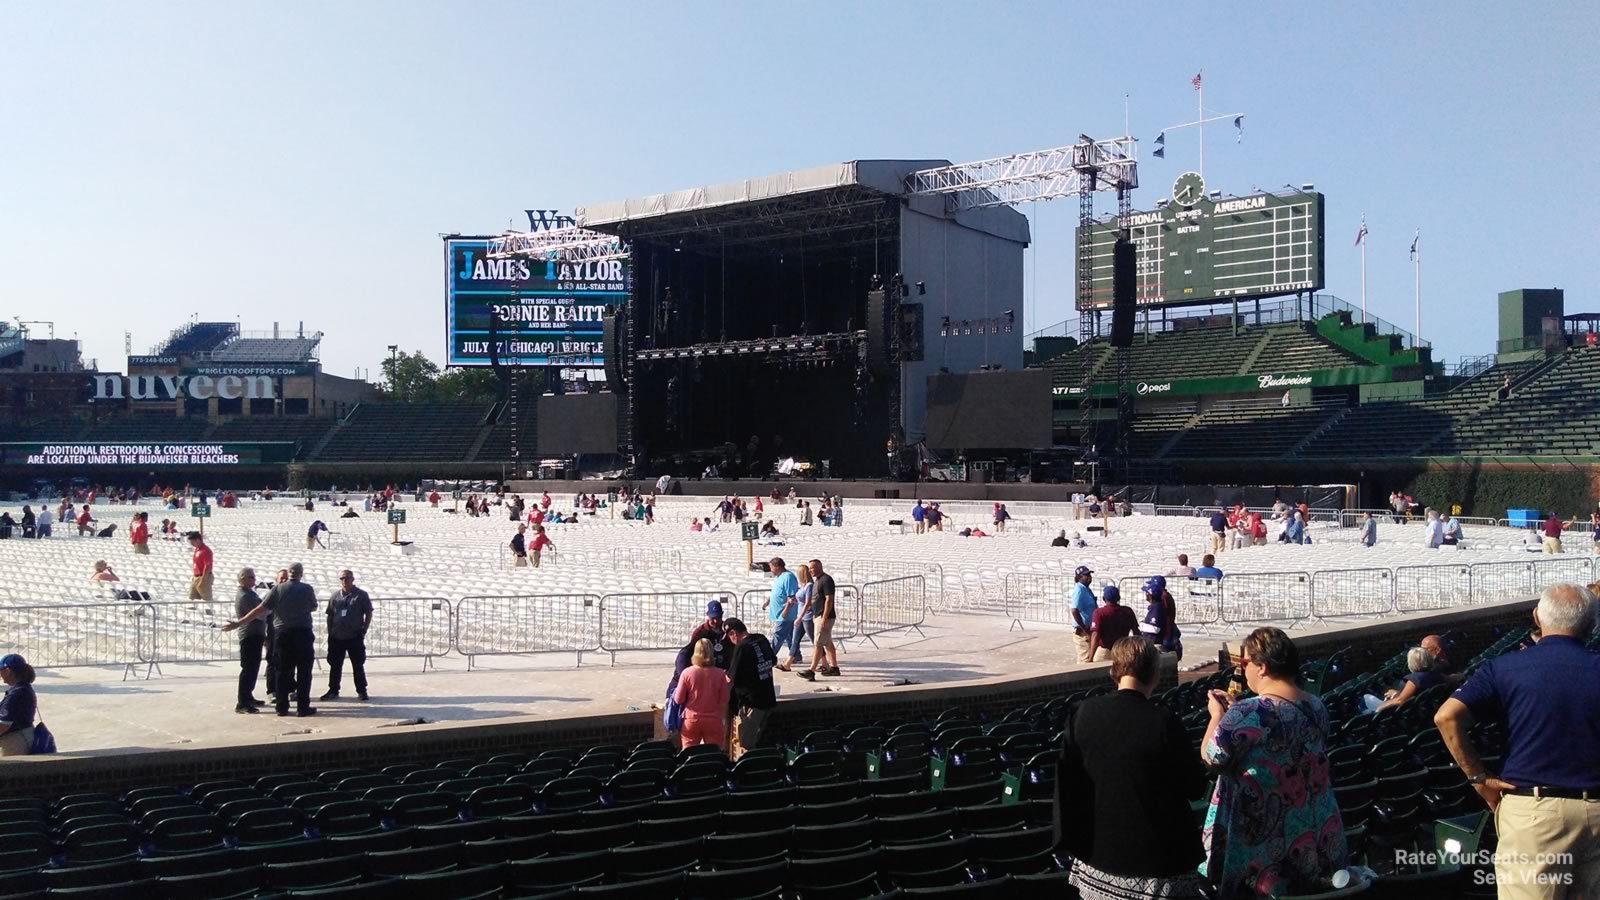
(1361, 235)
(1161, 138)
(1238, 124)
(1195, 81)
(1161, 153)
(1417, 237)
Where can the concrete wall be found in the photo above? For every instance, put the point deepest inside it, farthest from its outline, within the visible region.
(971, 273)
(1473, 628)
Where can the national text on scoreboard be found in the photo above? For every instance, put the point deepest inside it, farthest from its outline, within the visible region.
(550, 311)
(1216, 250)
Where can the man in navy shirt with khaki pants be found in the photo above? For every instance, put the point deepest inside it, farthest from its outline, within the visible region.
(1546, 798)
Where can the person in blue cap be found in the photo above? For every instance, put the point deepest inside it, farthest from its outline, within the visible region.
(1160, 623)
(1083, 607)
(713, 628)
(17, 707)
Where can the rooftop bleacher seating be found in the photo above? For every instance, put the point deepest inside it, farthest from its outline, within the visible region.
(411, 431)
(197, 337)
(154, 428)
(268, 350)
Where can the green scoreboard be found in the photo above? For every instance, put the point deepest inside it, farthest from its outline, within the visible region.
(1204, 249)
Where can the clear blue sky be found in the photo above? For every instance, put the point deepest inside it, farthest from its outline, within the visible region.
(296, 161)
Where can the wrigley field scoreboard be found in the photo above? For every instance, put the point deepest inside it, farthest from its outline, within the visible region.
(1199, 249)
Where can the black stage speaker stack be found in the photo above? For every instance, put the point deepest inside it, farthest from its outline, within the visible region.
(1123, 276)
(614, 346)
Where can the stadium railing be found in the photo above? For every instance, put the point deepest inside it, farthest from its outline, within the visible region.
(1352, 592)
(517, 625)
(59, 636)
(862, 571)
(654, 621)
(893, 604)
(191, 631)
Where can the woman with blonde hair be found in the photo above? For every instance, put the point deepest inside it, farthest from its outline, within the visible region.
(703, 695)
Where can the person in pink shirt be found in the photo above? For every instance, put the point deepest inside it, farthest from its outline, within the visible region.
(703, 695)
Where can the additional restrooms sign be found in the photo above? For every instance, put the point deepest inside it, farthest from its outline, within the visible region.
(173, 387)
(46, 455)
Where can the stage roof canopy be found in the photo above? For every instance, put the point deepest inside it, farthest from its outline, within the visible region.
(844, 203)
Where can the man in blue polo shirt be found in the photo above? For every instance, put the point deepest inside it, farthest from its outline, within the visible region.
(1083, 606)
(782, 609)
(1546, 797)
(918, 512)
(1219, 531)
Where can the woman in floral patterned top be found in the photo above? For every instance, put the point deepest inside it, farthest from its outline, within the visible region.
(1274, 825)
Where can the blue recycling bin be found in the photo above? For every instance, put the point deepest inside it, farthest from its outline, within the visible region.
(1523, 518)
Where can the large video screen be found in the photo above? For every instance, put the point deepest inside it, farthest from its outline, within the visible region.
(1200, 249)
(989, 411)
(577, 423)
(550, 311)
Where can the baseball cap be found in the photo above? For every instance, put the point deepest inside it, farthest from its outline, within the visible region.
(1081, 571)
(1112, 592)
(12, 660)
(1155, 585)
(714, 609)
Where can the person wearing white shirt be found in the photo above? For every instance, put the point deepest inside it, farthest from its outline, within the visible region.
(1433, 532)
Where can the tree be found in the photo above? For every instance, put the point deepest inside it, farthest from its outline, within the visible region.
(409, 377)
(414, 378)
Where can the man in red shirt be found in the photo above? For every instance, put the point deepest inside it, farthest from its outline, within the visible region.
(539, 542)
(200, 584)
(1111, 623)
(86, 522)
(1552, 534)
(139, 534)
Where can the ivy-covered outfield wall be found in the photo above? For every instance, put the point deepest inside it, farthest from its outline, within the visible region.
(1490, 492)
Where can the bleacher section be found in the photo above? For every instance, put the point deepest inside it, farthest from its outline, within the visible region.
(1557, 413)
(1402, 428)
(1250, 429)
(1293, 348)
(197, 337)
(273, 428)
(377, 432)
(1214, 352)
(1152, 430)
(151, 429)
(497, 443)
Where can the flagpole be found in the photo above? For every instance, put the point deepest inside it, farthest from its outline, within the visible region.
(1363, 280)
(1416, 274)
(1200, 89)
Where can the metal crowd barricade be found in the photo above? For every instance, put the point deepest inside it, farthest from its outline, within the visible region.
(863, 571)
(537, 623)
(1559, 569)
(62, 635)
(1266, 597)
(647, 559)
(1352, 592)
(184, 631)
(1418, 588)
(892, 604)
(1496, 581)
(1038, 597)
(661, 621)
(1197, 600)
(402, 628)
